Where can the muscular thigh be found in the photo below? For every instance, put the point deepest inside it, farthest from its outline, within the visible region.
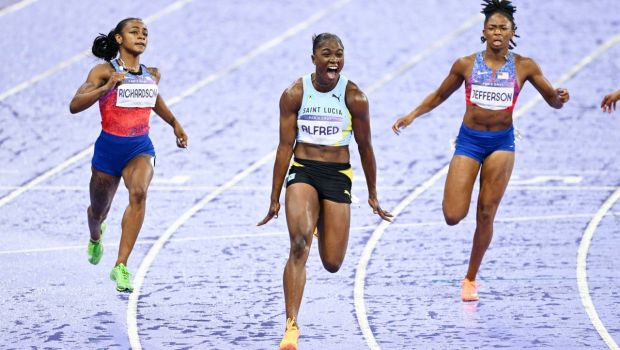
(459, 184)
(138, 172)
(494, 176)
(102, 189)
(302, 209)
(334, 223)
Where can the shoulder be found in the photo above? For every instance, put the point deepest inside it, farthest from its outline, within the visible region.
(526, 64)
(293, 94)
(355, 94)
(464, 63)
(295, 90)
(154, 71)
(102, 69)
(356, 100)
(100, 73)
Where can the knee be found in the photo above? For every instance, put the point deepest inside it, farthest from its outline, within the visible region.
(452, 220)
(299, 247)
(452, 217)
(332, 266)
(95, 214)
(137, 195)
(486, 213)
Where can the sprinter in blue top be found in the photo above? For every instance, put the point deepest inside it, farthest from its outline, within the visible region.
(318, 114)
(485, 144)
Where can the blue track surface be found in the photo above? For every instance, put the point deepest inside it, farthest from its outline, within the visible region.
(217, 282)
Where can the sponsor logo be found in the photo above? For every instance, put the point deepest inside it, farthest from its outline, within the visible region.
(336, 97)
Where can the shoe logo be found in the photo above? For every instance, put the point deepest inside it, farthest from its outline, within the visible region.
(336, 97)
(347, 193)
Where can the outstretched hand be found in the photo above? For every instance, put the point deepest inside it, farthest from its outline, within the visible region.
(401, 123)
(274, 208)
(374, 204)
(609, 102)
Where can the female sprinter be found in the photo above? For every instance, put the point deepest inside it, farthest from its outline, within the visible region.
(493, 79)
(127, 92)
(318, 114)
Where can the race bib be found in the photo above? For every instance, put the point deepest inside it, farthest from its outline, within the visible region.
(492, 97)
(319, 129)
(136, 95)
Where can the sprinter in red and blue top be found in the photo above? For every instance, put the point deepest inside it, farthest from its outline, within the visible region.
(127, 93)
(485, 144)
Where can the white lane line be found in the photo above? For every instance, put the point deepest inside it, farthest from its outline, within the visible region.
(132, 307)
(426, 52)
(60, 66)
(15, 7)
(46, 175)
(582, 277)
(360, 274)
(262, 48)
(284, 233)
(268, 188)
(192, 89)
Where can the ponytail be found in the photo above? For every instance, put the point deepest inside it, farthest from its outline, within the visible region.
(105, 46)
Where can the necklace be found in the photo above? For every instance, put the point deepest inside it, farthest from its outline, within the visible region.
(127, 68)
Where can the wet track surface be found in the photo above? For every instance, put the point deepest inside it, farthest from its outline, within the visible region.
(217, 282)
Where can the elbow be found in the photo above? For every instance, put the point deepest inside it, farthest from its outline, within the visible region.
(73, 108)
(364, 148)
(286, 146)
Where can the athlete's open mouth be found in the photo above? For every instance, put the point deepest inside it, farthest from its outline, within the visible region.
(332, 71)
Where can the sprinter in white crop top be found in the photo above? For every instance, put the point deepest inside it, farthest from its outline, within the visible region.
(318, 114)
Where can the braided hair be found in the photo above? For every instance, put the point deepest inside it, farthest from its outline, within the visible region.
(503, 7)
(105, 46)
(317, 40)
